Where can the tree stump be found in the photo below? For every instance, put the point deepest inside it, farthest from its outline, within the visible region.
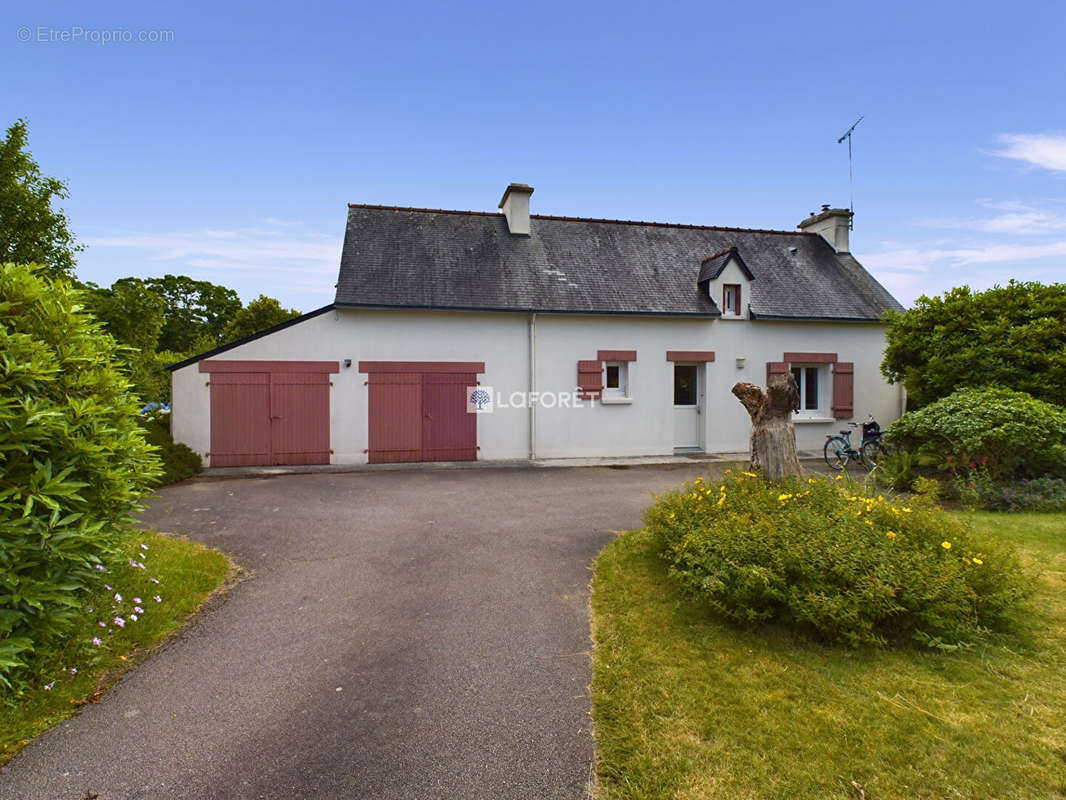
(773, 438)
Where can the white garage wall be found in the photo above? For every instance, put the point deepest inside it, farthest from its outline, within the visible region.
(501, 340)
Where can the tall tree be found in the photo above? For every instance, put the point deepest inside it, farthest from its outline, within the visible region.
(1012, 336)
(262, 313)
(133, 315)
(131, 312)
(197, 312)
(32, 231)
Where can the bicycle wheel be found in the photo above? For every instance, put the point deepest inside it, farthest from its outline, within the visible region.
(872, 451)
(836, 453)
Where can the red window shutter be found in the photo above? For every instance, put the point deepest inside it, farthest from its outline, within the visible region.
(843, 390)
(775, 368)
(590, 378)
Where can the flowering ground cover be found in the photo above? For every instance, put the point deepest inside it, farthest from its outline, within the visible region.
(161, 583)
(688, 704)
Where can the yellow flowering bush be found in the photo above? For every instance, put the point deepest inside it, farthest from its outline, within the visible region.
(834, 560)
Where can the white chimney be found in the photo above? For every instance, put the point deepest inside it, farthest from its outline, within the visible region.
(832, 224)
(515, 206)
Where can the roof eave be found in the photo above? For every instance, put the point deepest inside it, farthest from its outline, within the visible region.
(799, 318)
(504, 310)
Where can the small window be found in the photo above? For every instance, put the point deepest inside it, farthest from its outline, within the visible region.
(809, 381)
(686, 385)
(616, 379)
(731, 299)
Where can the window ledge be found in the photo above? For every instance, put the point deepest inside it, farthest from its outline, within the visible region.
(812, 420)
(615, 401)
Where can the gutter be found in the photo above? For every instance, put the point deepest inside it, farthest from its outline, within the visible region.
(532, 385)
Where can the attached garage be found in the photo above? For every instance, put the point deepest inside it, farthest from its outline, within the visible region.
(269, 412)
(418, 410)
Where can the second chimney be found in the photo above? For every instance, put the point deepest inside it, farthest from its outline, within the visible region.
(515, 207)
(832, 224)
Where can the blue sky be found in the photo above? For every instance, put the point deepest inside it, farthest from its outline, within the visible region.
(228, 150)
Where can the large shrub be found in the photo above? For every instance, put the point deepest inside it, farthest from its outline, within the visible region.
(74, 460)
(829, 559)
(1007, 433)
(1013, 336)
(179, 461)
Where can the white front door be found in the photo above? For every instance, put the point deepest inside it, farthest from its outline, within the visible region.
(687, 413)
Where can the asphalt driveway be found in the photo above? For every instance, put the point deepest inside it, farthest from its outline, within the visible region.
(410, 634)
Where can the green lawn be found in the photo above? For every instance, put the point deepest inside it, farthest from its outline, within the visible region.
(686, 706)
(188, 574)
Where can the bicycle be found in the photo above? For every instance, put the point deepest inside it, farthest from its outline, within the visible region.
(838, 450)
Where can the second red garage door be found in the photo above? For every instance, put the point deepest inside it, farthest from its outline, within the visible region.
(418, 411)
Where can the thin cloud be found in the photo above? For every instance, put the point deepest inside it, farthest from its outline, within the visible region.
(1037, 149)
(919, 259)
(263, 250)
(1015, 219)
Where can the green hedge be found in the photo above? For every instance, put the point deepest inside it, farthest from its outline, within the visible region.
(828, 559)
(74, 461)
(1009, 434)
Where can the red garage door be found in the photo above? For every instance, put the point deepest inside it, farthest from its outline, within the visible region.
(269, 412)
(418, 411)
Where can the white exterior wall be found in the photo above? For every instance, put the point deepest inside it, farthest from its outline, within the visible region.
(501, 340)
(645, 427)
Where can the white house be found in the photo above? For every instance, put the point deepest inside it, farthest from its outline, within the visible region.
(586, 337)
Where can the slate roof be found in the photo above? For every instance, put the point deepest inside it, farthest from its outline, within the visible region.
(465, 260)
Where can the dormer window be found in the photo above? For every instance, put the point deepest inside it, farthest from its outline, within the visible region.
(731, 299)
(726, 280)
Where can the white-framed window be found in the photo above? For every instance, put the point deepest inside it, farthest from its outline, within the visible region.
(731, 299)
(813, 389)
(616, 379)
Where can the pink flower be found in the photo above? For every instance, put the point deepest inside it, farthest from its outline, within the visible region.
(118, 597)
(133, 617)
(96, 641)
(48, 687)
(73, 670)
(102, 624)
(144, 547)
(158, 599)
(101, 567)
(138, 609)
(107, 587)
(137, 600)
(119, 621)
(153, 580)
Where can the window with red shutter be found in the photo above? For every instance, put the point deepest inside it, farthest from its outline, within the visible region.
(590, 379)
(843, 390)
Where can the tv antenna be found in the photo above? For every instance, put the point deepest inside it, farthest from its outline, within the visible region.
(851, 177)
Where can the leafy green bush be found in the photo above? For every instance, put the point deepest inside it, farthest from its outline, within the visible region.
(179, 460)
(1008, 433)
(974, 488)
(1012, 336)
(896, 470)
(834, 561)
(74, 461)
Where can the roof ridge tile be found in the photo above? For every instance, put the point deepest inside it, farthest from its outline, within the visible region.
(555, 218)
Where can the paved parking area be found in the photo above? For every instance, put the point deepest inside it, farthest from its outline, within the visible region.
(403, 634)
